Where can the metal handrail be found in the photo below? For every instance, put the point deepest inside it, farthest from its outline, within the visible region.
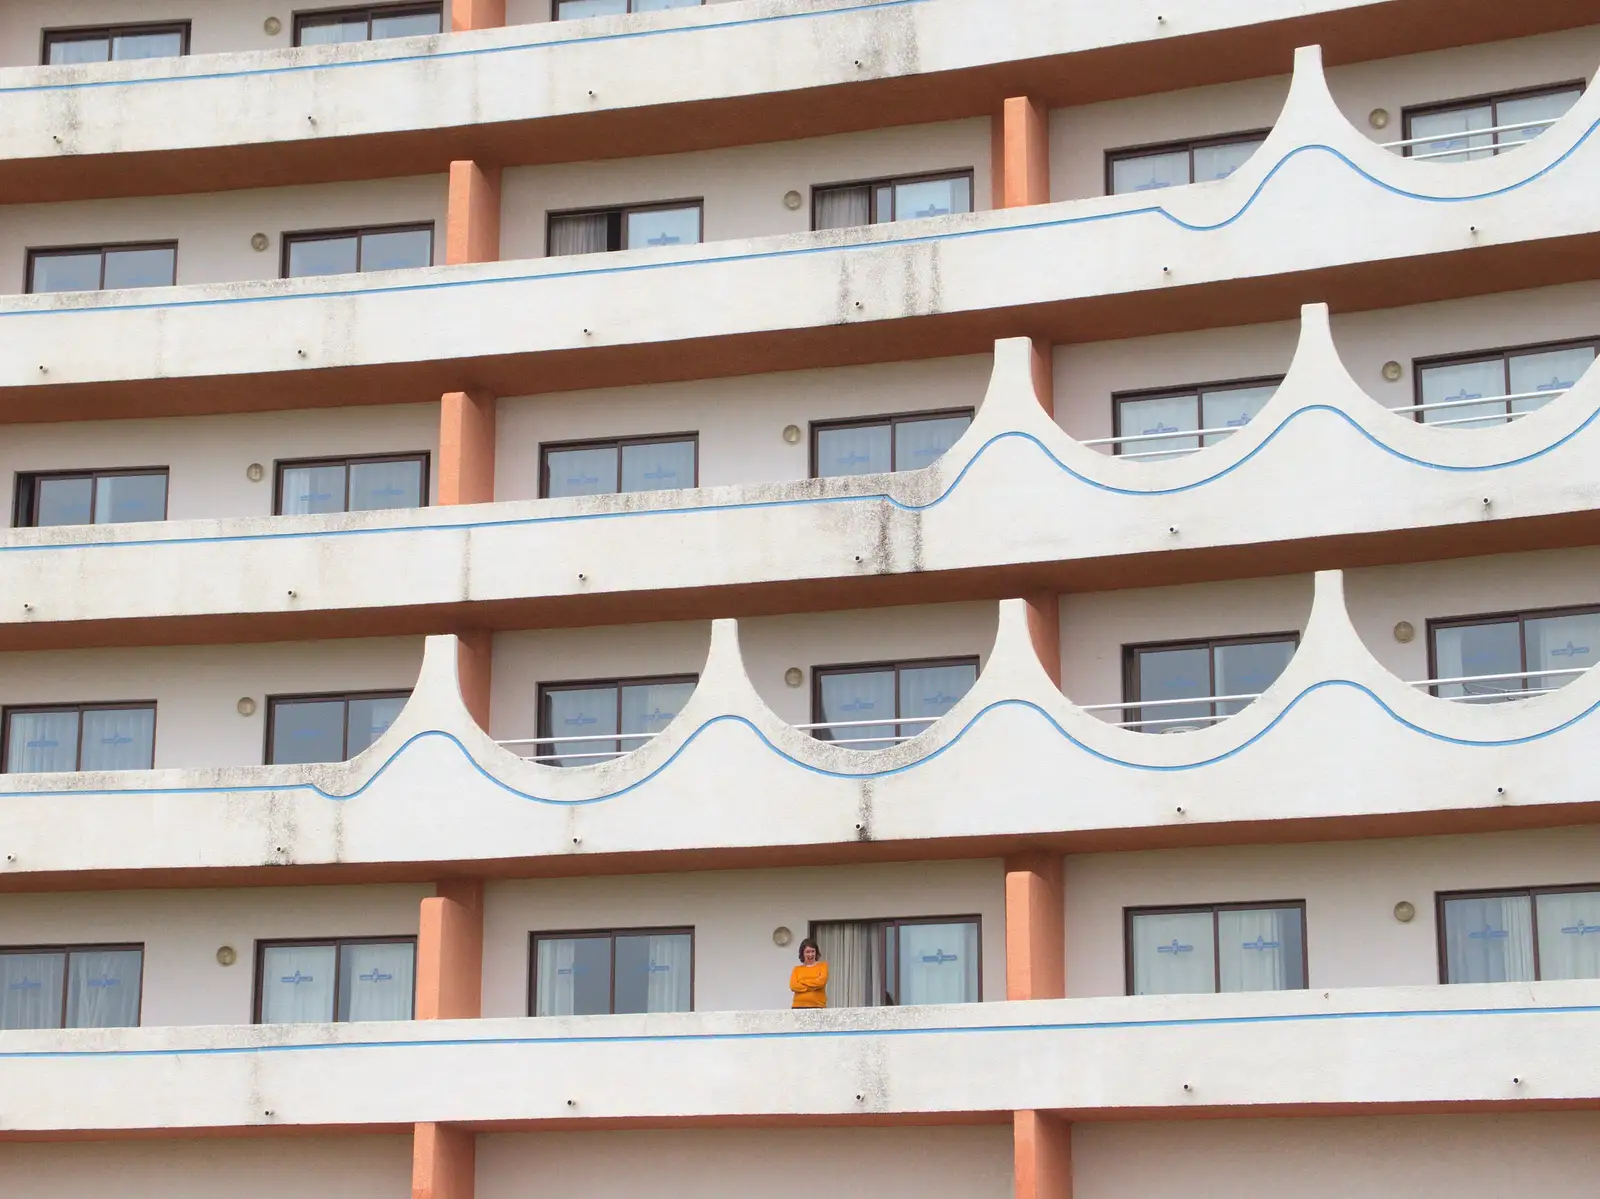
(1540, 123)
(1505, 399)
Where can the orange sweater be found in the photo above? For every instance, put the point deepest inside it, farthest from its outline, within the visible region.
(810, 985)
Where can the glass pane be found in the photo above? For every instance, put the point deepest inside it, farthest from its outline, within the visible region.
(1465, 381)
(662, 227)
(66, 51)
(1457, 121)
(932, 197)
(1248, 668)
(119, 739)
(165, 44)
(931, 691)
(324, 31)
(650, 707)
(857, 695)
(658, 466)
(573, 976)
(1232, 408)
(141, 268)
(308, 490)
(938, 962)
(297, 984)
(1549, 370)
(581, 472)
(1261, 950)
(377, 981)
(308, 731)
(580, 712)
(854, 450)
(843, 207)
(103, 988)
(41, 741)
(376, 485)
(654, 973)
(398, 248)
(1147, 172)
(1489, 940)
(30, 989)
(1172, 674)
(371, 718)
(1569, 935)
(1467, 651)
(121, 499)
(1561, 643)
(1173, 954)
(64, 502)
(66, 272)
(1218, 162)
(919, 443)
(404, 25)
(322, 256)
(661, 5)
(1160, 414)
(1532, 108)
(571, 10)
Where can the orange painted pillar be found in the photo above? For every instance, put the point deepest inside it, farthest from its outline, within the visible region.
(1044, 378)
(1042, 1155)
(474, 668)
(472, 214)
(1035, 928)
(450, 953)
(443, 1161)
(1021, 153)
(476, 14)
(1044, 627)
(466, 448)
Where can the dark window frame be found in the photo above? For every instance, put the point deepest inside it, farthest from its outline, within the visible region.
(321, 697)
(973, 918)
(288, 240)
(280, 465)
(84, 33)
(1130, 664)
(666, 930)
(895, 664)
(121, 705)
(555, 10)
(1493, 99)
(1521, 616)
(25, 503)
(414, 8)
(893, 181)
(1174, 909)
(892, 419)
(1504, 353)
(1441, 897)
(66, 974)
(1187, 144)
(544, 732)
(618, 215)
(35, 253)
(262, 945)
(606, 443)
(1199, 390)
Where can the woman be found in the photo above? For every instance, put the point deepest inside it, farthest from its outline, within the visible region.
(809, 980)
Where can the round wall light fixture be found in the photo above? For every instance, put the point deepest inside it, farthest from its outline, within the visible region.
(259, 242)
(1392, 371)
(272, 27)
(792, 200)
(255, 472)
(227, 955)
(246, 706)
(791, 434)
(1404, 631)
(1405, 911)
(794, 676)
(781, 935)
(1378, 118)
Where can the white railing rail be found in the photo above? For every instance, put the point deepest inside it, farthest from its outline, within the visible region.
(1541, 124)
(638, 739)
(829, 726)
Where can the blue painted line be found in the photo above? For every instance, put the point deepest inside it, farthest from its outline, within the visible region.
(477, 52)
(813, 1034)
(933, 755)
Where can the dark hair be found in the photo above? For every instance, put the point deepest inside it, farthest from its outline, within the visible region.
(809, 942)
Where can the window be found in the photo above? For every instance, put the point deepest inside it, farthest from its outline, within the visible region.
(571, 10)
(1517, 645)
(886, 963)
(611, 972)
(628, 228)
(1509, 381)
(1471, 119)
(348, 251)
(625, 464)
(349, 978)
(115, 43)
(877, 444)
(581, 722)
(328, 728)
(366, 24)
(1221, 947)
(366, 484)
(882, 200)
(102, 268)
(1155, 675)
(1176, 163)
(73, 986)
(868, 700)
(91, 497)
(1521, 935)
(57, 737)
(1141, 419)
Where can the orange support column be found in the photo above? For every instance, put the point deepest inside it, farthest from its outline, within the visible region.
(1041, 1146)
(443, 1162)
(474, 668)
(1044, 375)
(466, 448)
(450, 953)
(1021, 154)
(1044, 627)
(1035, 928)
(472, 214)
(476, 14)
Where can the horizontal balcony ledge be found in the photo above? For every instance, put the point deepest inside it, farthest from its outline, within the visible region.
(400, 108)
(1427, 1048)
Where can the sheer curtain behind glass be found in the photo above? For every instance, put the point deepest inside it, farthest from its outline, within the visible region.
(1471, 651)
(658, 466)
(920, 443)
(580, 233)
(377, 485)
(119, 738)
(858, 450)
(1174, 953)
(938, 962)
(856, 696)
(1160, 414)
(843, 207)
(103, 988)
(30, 989)
(929, 692)
(1170, 674)
(1464, 121)
(580, 712)
(41, 741)
(853, 950)
(370, 718)
(650, 707)
(1148, 172)
(1456, 383)
(308, 490)
(653, 972)
(1561, 643)
(377, 981)
(1551, 371)
(1260, 950)
(1233, 408)
(297, 984)
(573, 976)
(1248, 668)
(1569, 935)
(1489, 939)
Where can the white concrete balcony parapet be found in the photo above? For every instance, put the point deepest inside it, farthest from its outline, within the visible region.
(1337, 738)
(1157, 1057)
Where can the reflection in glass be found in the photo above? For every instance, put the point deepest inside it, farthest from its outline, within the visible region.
(308, 731)
(328, 31)
(151, 267)
(376, 485)
(654, 972)
(854, 450)
(309, 490)
(323, 256)
(1458, 382)
(1467, 651)
(584, 471)
(369, 718)
(1489, 939)
(1570, 642)
(853, 696)
(396, 249)
(297, 983)
(663, 227)
(64, 501)
(118, 739)
(377, 980)
(121, 499)
(658, 465)
(166, 43)
(580, 712)
(1174, 953)
(1569, 934)
(1247, 668)
(66, 272)
(103, 988)
(1546, 371)
(1178, 414)
(931, 197)
(68, 51)
(647, 708)
(938, 963)
(30, 989)
(385, 25)
(1260, 949)
(1173, 674)
(573, 976)
(1149, 172)
(1220, 161)
(1232, 408)
(920, 443)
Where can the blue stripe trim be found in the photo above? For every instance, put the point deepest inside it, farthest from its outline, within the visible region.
(816, 1034)
(1099, 755)
(807, 251)
(439, 55)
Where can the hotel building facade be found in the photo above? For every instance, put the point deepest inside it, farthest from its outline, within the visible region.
(522, 511)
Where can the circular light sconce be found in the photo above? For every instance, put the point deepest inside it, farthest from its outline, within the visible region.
(781, 936)
(792, 200)
(259, 242)
(1378, 118)
(791, 434)
(1404, 632)
(1392, 371)
(255, 472)
(227, 955)
(794, 676)
(246, 706)
(1405, 911)
(272, 26)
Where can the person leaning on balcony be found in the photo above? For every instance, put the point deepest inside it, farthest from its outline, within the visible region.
(809, 980)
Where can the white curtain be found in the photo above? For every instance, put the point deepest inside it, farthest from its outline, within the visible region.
(582, 233)
(856, 696)
(650, 707)
(853, 950)
(1458, 382)
(378, 981)
(1457, 149)
(1548, 371)
(920, 443)
(931, 691)
(1259, 950)
(1173, 953)
(1162, 414)
(1562, 643)
(1233, 408)
(671, 972)
(580, 712)
(658, 466)
(843, 207)
(859, 450)
(1468, 651)
(297, 984)
(103, 988)
(1489, 939)
(1569, 935)
(42, 741)
(119, 739)
(557, 978)
(379, 485)
(938, 962)
(308, 490)
(30, 989)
